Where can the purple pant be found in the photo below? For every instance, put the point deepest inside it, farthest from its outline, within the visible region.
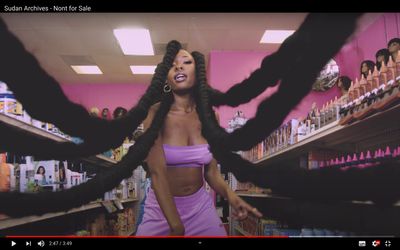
(197, 212)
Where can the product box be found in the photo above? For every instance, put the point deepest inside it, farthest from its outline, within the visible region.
(13, 177)
(267, 226)
(26, 180)
(46, 174)
(291, 131)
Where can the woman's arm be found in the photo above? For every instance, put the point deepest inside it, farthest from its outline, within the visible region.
(214, 179)
(159, 181)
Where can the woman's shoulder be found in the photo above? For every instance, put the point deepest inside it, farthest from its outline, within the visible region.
(150, 115)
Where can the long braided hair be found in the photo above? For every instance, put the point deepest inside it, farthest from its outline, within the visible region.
(295, 64)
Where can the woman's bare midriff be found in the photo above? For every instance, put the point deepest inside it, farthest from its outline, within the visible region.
(184, 181)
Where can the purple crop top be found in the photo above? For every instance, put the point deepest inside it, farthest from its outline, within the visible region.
(187, 156)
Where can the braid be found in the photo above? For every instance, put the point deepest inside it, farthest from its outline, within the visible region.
(315, 31)
(293, 88)
(15, 203)
(98, 134)
(293, 181)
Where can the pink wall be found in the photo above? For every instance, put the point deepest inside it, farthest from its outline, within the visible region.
(105, 95)
(229, 67)
(367, 43)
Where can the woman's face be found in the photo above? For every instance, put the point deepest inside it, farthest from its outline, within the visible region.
(380, 58)
(41, 170)
(364, 68)
(182, 75)
(394, 47)
(339, 83)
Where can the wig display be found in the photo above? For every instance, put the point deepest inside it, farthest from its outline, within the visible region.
(294, 67)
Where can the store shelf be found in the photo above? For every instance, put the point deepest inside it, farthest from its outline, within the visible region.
(253, 195)
(99, 159)
(362, 217)
(359, 135)
(241, 231)
(266, 196)
(30, 128)
(129, 200)
(12, 222)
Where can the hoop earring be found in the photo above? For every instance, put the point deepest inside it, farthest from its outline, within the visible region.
(167, 88)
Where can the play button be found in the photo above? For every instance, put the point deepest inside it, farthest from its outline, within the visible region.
(13, 243)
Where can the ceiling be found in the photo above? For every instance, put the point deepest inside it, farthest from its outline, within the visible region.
(56, 39)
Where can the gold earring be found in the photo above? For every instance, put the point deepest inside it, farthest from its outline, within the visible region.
(167, 88)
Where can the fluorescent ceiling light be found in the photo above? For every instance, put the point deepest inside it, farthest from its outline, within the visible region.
(87, 69)
(275, 36)
(135, 41)
(148, 70)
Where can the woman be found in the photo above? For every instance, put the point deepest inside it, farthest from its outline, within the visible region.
(179, 162)
(343, 84)
(365, 67)
(105, 114)
(394, 47)
(380, 56)
(119, 112)
(40, 175)
(62, 175)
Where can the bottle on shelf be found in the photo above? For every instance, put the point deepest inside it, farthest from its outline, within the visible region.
(391, 71)
(383, 75)
(368, 86)
(361, 160)
(363, 87)
(354, 160)
(375, 80)
(368, 159)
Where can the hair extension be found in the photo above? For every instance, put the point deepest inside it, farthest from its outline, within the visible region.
(379, 184)
(16, 204)
(283, 61)
(62, 112)
(293, 87)
(292, 181)
(98, 134)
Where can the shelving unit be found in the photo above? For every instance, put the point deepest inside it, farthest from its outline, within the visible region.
(96, 160)
(253, 195)
(99, 159)
(363, 217)
(12, 222)
(356, 136)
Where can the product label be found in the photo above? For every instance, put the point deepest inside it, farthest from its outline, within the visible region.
(13, 107)
(2, 105)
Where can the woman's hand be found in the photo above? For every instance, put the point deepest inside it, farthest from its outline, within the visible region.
(177, 231)
(240, 208)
